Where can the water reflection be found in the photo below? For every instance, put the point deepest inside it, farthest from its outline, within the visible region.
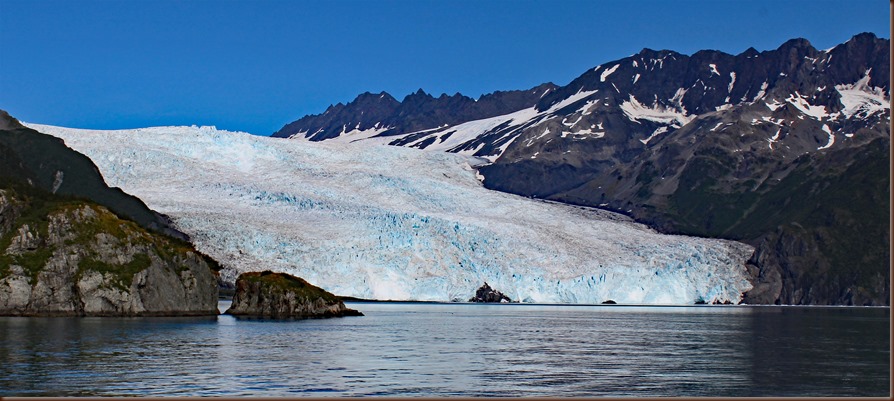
(459, 350)
(828, 345)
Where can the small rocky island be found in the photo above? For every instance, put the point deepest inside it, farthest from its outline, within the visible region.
(487, 294)
(282, 296)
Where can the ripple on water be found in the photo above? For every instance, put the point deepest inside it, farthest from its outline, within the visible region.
(459, 350)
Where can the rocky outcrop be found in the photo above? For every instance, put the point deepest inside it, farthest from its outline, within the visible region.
(283, 296)
(487, 294)
(63, 257)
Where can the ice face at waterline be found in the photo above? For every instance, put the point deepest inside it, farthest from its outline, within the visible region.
(385, 222)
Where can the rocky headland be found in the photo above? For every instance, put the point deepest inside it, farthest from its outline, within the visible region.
(61, 257)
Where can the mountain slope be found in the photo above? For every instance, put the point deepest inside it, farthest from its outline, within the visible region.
(709, 145)
(380, 114)
(393, 223)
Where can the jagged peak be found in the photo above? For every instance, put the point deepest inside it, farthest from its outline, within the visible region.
(647, 52)
(456, 95)
(863, 36)
(369, 96)
(798, 43)
(9, 122)
(544, 87)
(709, 53)
(862, 39)
(749, 52)
(418, 94)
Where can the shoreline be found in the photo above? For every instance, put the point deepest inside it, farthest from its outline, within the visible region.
(374, 301)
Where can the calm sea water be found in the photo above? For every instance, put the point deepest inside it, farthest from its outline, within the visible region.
(416, 349)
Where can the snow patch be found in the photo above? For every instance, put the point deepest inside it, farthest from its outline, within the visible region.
(762, 92)
(356, 134)
(570, 125)
(586, 133)
(581, 94)
(831, 138)
(471, 130)
(797, 100)
(714, 69)
(535, 139)
(861, 100)
(774, 139)
(658, 131)
(773, 106)
(656, 112)
(608, 72)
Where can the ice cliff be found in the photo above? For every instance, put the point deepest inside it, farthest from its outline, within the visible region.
(385, 222)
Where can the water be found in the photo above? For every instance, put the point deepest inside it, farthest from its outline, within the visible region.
(416, 349)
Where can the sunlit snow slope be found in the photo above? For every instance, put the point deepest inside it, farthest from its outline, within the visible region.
(385, 222)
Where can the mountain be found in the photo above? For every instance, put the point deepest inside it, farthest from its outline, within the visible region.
(63, 252)
(380, 114)
(384, 222)
(785, 150)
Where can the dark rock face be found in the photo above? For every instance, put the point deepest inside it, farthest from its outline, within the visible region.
(282, 296)
(418, 111)
(487, 294)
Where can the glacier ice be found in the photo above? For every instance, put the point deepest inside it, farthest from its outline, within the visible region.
(383, 222)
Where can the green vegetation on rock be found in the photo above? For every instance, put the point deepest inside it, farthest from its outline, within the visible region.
(282, 296)
(122, 275)
(289, 283)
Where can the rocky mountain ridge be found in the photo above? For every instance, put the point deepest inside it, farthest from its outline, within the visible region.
(381, 114)
(760, 147)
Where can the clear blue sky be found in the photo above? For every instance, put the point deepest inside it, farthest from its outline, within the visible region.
(256, 65)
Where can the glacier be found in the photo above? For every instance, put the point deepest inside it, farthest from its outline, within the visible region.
(394, 223)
